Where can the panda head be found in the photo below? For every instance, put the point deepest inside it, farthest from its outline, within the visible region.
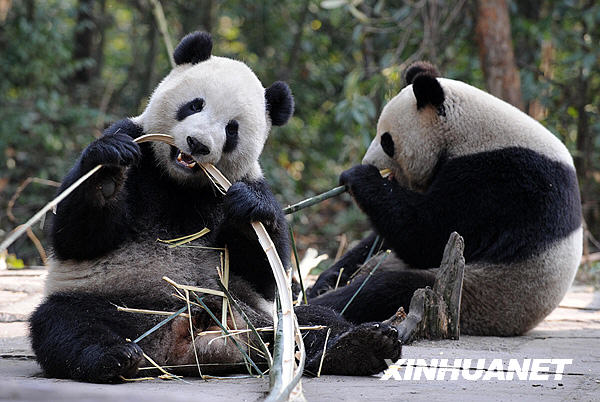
(217, 111)
(408, 140)
(433, 119)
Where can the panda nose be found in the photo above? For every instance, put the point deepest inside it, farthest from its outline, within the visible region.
(196, 147)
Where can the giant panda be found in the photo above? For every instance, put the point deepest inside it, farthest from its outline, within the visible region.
(465, 161)
(104, 236)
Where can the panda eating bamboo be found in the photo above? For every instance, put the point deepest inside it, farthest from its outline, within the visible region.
(465, 161)
(104, 237)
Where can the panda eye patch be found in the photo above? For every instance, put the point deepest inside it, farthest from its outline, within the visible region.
(190, 108)
(387, 143)
(231, 136)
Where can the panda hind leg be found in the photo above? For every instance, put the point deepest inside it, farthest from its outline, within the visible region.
(381, 296)
(350, 262)
(351, 349)
(83, 337)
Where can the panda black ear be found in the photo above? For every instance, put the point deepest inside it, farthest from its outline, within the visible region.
(419, 67)
(193, 48)
(428, 91)
(280, 103)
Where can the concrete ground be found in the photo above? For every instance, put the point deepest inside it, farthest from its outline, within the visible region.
(572, 331)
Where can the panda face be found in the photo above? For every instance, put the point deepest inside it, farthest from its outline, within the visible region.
(216, 111)
(406, 142)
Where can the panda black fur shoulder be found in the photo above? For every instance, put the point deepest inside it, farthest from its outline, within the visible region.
(464, 161)
(104, 234)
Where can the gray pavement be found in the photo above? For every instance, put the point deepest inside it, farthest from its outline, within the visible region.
(571, 332)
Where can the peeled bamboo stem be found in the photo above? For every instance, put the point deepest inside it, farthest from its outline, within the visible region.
(285, 296)
(40, 214)
(23, 228)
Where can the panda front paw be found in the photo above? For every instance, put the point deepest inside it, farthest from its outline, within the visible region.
(362, 182)
(244, 204)
(111, 363)
(363, 350)
(117, 150)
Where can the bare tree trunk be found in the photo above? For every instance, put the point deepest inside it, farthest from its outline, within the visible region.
(147, 73)
(199, 15)
(102, 21)
(30, 7)
(584, 144)
(84, 34)
(4, 9)
(293, 54)
(496, 51)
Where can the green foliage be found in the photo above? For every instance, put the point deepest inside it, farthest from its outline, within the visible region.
(343, 59)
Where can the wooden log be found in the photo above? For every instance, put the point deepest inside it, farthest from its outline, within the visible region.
(435, 313)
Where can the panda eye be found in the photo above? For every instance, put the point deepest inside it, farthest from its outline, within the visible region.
(190, 108)
(196, 105)
(387, 144)
(231, 136)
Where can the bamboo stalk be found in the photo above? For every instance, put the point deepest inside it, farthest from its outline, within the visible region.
(189, 309)
(377, 238)
(334, 192)
(387, 253)
(316, 199)
(23, 228)
(216, 320)
(324, 352)
(193, 288)
(162, 370)
(159, 14)
(19, 230)
(287, 339)
(260, 329)
(297, 264)
(145, 311)
(225, 283)
(184, 239)
(337, 282)
(160, 324)
(251, 326)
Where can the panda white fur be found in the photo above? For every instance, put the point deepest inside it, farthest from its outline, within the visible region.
(465, 161)
(104, 235)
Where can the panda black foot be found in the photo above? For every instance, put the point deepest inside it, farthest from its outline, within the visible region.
(112, 363)
(360, 351)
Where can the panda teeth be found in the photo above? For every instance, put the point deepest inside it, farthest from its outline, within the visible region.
(183, 160)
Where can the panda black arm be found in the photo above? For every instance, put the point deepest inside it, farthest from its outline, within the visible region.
(93, 219)
(407, 220)
(253, 201)
(350, 261)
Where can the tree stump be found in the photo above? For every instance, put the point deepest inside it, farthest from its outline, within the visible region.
(435, 313)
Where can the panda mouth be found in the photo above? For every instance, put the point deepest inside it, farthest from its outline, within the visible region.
(185, 160)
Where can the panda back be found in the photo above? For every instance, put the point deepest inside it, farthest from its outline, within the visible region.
(479, 122)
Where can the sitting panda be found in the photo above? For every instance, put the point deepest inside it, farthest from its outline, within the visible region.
(465, 161)
(104, 235)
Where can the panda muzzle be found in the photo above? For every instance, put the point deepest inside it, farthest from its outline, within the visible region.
(196, 147)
